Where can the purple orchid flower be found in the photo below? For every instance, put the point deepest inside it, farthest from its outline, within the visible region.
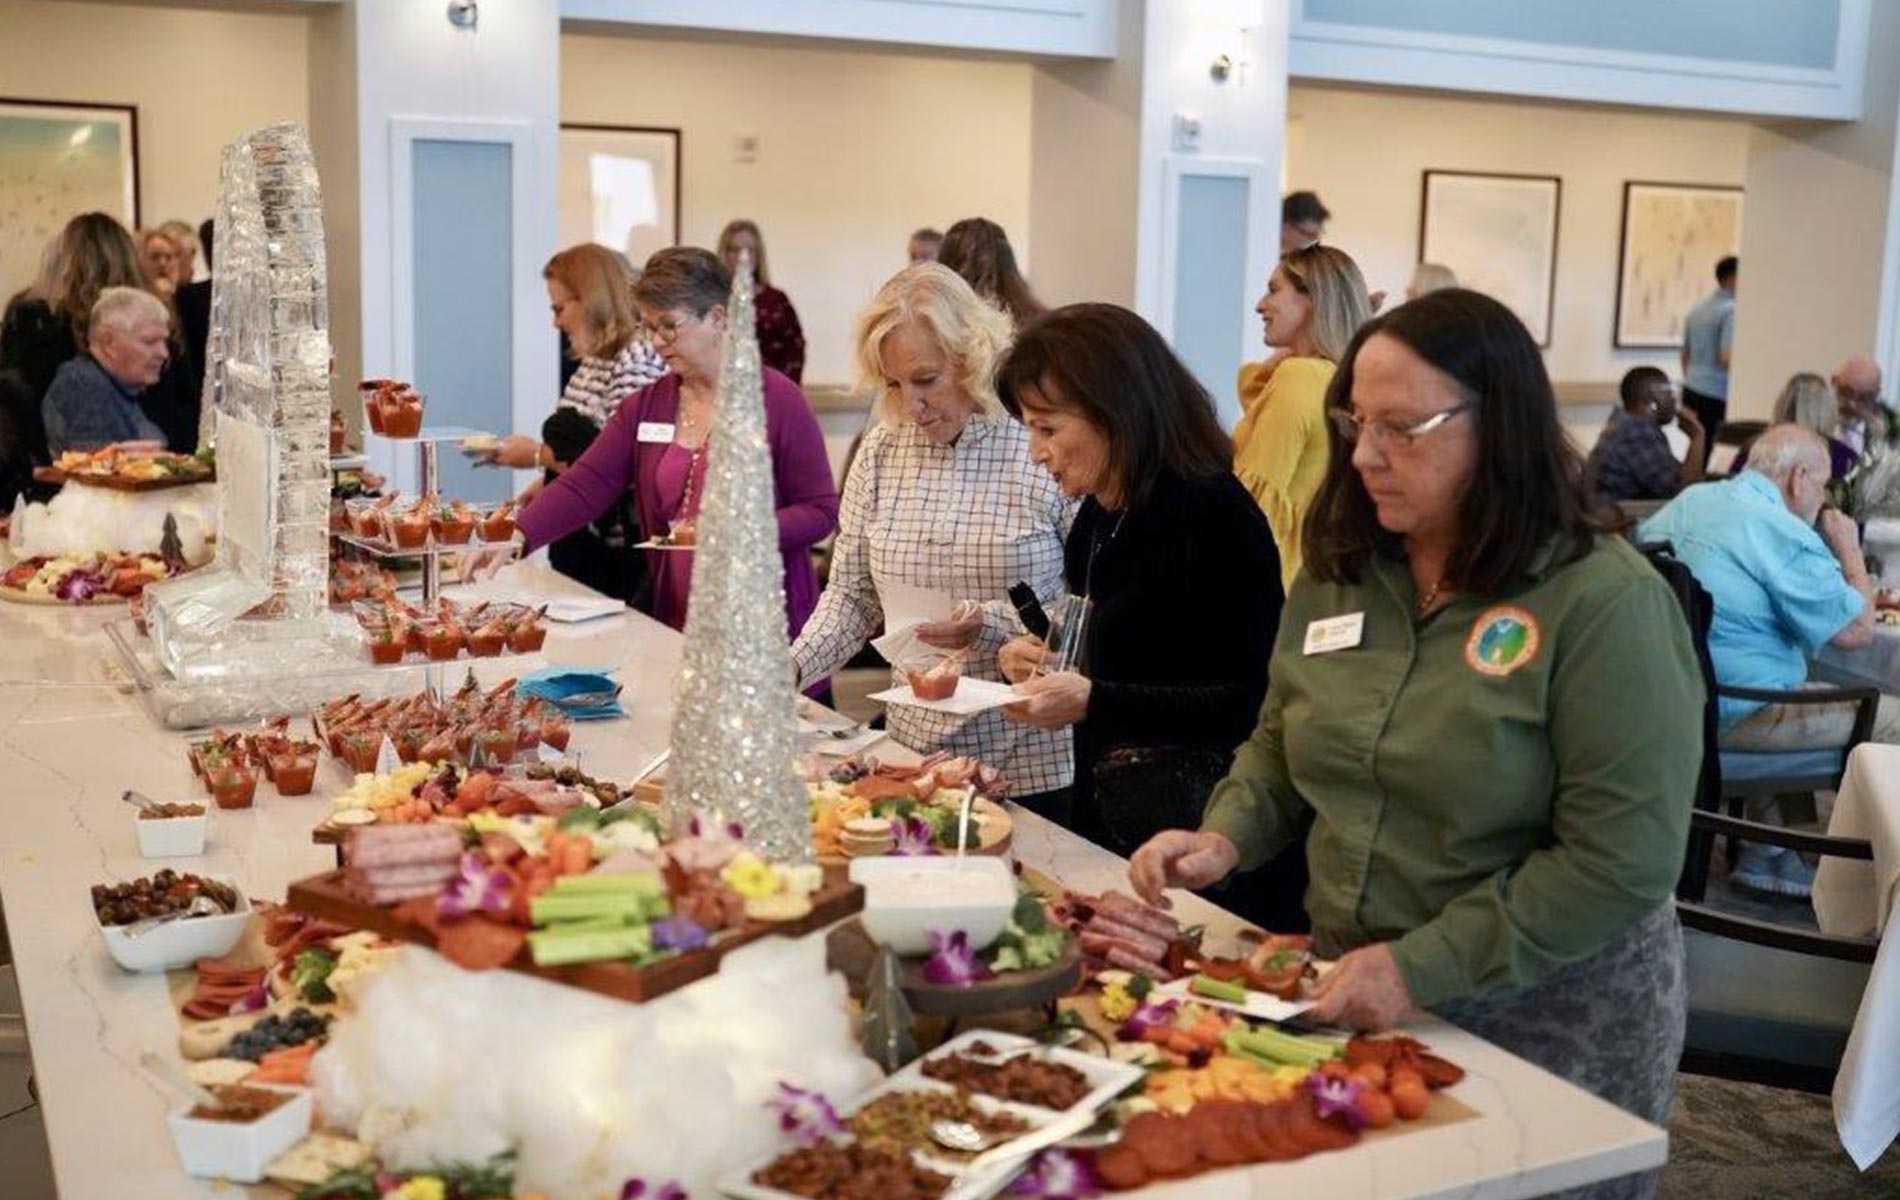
(258, 997)
(479, 888)
(1336, 1098)
(952, 962)
(1059, 1175)
(804, 1114)
(640, 1189)
(912, 838)
(680, 933)
(1148, 1016)
(733, 831)
(79, 587)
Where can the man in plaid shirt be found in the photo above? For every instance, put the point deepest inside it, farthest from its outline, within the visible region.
(1631, 460)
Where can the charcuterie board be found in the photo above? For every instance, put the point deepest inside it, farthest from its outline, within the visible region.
(327, 897)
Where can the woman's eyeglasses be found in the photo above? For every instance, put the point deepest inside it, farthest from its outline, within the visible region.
(667, 330)
(1351, 426)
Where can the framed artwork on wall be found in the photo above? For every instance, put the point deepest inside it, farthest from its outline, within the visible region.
(59, 159)
(1673, 235)
(1498, 234)
(620, 186)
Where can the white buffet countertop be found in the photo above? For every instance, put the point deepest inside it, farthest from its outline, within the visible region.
(69, 748)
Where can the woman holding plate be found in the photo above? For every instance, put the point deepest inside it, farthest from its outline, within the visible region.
(654, 446)
(943, 496)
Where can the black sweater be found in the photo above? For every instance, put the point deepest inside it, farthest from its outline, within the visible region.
(1187, 601)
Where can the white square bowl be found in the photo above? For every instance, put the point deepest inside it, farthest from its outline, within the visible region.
(240, 1152)
(172, 837)
(907, 898)
(177, 943)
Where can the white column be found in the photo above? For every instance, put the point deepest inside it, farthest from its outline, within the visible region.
(384, 74)
(1156, 184)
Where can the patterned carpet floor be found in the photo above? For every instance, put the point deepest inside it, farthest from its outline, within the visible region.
(1741, 1141)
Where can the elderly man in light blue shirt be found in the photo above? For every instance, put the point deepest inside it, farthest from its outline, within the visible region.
(1787, 578)
(1708, 338)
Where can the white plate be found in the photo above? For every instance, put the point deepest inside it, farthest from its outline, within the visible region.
(1259, 1005)
(971, 697)
(570, 610)
(965, 1186)
(1108, 1077)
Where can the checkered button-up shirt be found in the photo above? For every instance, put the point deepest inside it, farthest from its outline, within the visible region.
(968, 519)
(1631, 461)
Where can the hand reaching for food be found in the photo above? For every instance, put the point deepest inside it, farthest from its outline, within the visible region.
(1180, 858)
(1364, 990)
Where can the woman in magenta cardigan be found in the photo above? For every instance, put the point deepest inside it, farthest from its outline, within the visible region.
(655, 444)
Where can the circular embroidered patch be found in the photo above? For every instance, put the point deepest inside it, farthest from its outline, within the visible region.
(1502, 639)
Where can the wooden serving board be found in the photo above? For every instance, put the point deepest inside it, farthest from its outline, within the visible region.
(119, 483)
(325, 896)
(850, 950)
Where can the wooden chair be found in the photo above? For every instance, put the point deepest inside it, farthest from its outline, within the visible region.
(1769, 1002)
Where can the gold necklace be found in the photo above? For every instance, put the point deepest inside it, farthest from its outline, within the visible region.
(1426, 601)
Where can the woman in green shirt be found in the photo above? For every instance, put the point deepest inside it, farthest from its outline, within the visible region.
(1492, 713)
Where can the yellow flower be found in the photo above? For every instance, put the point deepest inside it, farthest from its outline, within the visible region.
(749, 877)
(421, 1187)
(1117, 1004)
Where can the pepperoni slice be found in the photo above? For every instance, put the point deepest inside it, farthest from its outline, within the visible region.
(1270, 1124)
(1121, 1167)
(1165, 1147)
(1240, 1119)
(1316, 1134)
(1213, 1140)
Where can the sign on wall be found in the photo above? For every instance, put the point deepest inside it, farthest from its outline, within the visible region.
(1498, 234)
(1673, 235)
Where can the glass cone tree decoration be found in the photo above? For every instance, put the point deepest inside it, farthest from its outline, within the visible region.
(735, 728)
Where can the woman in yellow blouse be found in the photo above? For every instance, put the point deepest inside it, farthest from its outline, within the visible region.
(1315, 301)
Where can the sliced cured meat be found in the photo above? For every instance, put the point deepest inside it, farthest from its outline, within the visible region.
(1121, 1167)
(1166, 1148)
(1314, 1133)
(477, 943)
(1214, 1135)
(1131, 911)
(1240, 1121)
(1438, 1072)
(1270, 1126)
(1147, 944)
(1128, 960)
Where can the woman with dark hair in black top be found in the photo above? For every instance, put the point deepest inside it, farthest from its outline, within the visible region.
(1173, 557)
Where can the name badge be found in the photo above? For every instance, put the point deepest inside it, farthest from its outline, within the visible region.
(656, 431)
(1335, 633)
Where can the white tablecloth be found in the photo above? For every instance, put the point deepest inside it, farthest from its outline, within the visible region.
(1881, 538)
(1856, 899)
(1877, 662)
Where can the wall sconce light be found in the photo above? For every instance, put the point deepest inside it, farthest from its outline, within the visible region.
(463, 13)
(1240, 15)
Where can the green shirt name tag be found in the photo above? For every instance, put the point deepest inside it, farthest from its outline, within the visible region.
(1335, 633)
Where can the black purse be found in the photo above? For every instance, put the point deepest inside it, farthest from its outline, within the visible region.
(1142, 790)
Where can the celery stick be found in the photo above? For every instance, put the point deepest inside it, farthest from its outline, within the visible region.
(559, 906)
(615, 883)
(555, 947)
(1278, 1047)
(1218, 989)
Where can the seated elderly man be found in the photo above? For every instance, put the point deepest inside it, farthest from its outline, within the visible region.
(1782, 591)
(1861, 418)
(1631, 460)
(94, 398)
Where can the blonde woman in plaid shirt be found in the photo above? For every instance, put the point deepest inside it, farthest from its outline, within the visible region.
(942, 495)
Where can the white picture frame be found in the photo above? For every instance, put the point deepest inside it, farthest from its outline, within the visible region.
(1498, 233)
(620, 187)
(1673, 234)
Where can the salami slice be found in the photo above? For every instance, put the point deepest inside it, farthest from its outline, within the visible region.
(1166, 1148)
(1121, 1167)
(1145, 943)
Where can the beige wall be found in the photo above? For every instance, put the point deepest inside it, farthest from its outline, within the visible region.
(199, 77)
(1810, 290)
(856, 150)
(1364, 150)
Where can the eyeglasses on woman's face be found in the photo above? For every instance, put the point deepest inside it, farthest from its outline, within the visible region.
(1401, 434)
(667, 328)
